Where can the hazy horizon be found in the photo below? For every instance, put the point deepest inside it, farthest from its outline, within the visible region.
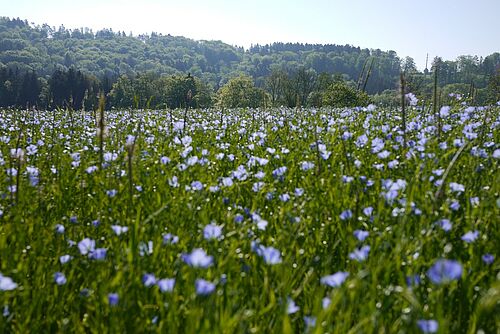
(410, 29)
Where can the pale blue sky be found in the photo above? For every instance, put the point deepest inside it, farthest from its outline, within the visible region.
(447, 28)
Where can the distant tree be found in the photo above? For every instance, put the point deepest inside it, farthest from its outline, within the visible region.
(179, 91)
(493, 91)
(240, 92)
(339, 94)
(274, 84)
(29, 90)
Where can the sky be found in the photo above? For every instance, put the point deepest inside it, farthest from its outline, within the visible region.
(445, 28)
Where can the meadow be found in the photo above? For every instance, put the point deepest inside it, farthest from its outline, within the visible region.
(250, 221)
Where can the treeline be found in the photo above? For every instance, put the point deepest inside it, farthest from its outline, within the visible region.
(107, 53)
(77, 90)
(46, 66)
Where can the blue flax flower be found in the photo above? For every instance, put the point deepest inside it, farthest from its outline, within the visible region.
(334, 280)
(203, 287)
(443, 271)
(428, 326)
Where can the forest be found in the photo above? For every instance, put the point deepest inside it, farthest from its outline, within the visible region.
(44, 66)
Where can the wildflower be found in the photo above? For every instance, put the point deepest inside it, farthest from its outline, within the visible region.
(59, 278)
(86, 246)
(428, 326)
(360, 254)
(284, 197)
(445, 224)
(474, 201)
(6, 283)
(146, 249)
(198, 258)
(65, 258)
(203, 287)
(457, 187)
(444, 111)
(306, 165)
(227, 182)
(443, 271)
(291, 307)
(368, 211)
(148, 280)
(119, 229)
(169, 238)
(279, 171)
(59, 228)
(270, 254)
(113, 299)
(298, 192)
(347, 214)
(488, 258)
(377, 145)
(98, 254)
(412, 280)
(111, 192)
(173, 182)
(325, 302)
(334, 280)
(212, 231)
(454, 205)
(470, 236)
(166, 284)
(361, 235)
(362, 140)
(197, 185)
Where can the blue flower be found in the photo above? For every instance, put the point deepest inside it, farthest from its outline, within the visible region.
(470, 236)
(291, 307)
(360, 254)
(170, 239)
(6, 283)
(59, 228)
(86, 246)
(270, 254)
(203, 287)
(198, 258)
(148, 280)
(445, 224)
(59, 278)
(443, 271)
(488, 258)
(111, 192)
(428, 326)
(197, 185)
(457, 187)
(98, 254)
(119, 229)
(113, 299)
(65, 258)
(368, 211)
(325, 302)
(361, 235)
(347, 214)
(310, 321)
(212, 231)
(334, 280)
(166, 284)
(412, 280)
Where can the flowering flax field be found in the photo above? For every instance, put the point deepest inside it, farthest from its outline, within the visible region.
(250, 221)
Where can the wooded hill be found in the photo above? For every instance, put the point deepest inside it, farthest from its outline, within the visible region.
(108, 55)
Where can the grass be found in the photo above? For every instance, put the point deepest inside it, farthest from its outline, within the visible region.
(251, 295)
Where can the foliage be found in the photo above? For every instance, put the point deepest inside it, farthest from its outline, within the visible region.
(339, 94)
(240, 92)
